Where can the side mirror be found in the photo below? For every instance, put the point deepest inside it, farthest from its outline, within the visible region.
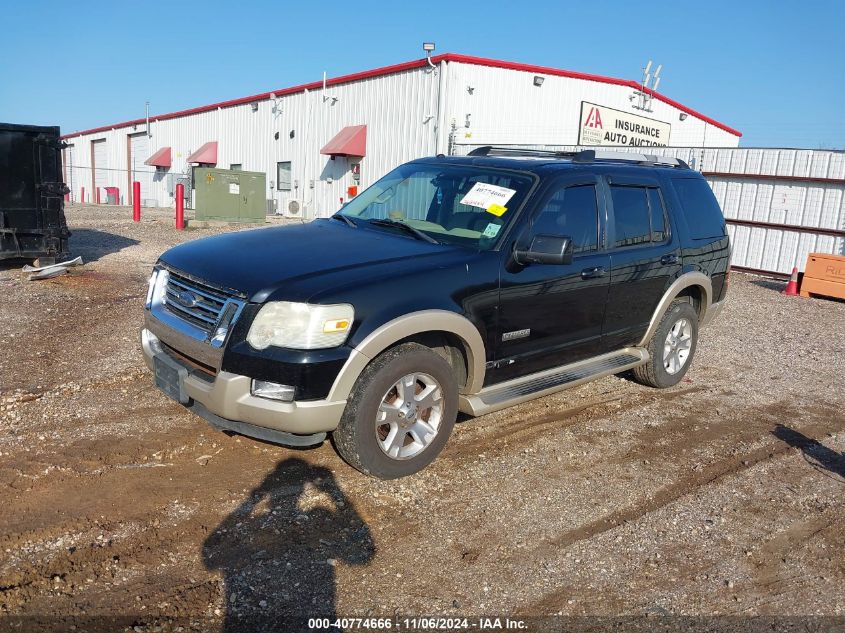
(546, 249)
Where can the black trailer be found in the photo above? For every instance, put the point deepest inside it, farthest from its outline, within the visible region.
(32, 216)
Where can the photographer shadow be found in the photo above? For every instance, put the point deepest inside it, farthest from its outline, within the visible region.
(813, 450)
(279, 548)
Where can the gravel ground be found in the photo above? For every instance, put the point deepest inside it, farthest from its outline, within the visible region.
(721, 496)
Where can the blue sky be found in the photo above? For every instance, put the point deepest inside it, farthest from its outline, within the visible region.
(773, 70)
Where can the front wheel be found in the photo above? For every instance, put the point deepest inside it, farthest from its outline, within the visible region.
(400, 414)
(672, 347)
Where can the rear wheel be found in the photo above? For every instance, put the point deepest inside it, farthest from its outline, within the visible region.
(400, 414)
(672, 347)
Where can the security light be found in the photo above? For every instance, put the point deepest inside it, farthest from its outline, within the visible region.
(538, 80)
(254, 106)
(428, 47)
(683, 116)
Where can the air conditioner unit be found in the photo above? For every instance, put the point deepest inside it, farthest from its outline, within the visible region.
(293, 208)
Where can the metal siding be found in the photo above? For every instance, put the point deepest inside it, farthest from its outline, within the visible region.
(394, 108)
(506, 108)
(809, 205)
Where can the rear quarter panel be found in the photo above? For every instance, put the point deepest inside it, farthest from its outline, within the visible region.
(710, 256)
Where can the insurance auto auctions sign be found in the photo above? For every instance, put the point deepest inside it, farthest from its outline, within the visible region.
(601, 125)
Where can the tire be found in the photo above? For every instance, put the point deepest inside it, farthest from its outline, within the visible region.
(681, 320)
(379, 433)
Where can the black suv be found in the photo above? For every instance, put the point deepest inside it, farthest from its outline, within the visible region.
(452, 284)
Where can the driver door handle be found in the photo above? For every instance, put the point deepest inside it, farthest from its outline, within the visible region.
(669, 259)
(592, 273)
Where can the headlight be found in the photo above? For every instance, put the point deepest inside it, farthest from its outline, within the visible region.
(156, 293)
(300, 325)
(150, 289)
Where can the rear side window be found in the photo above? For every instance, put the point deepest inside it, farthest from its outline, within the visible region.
(701, 209)
(631, 215)
(571, 211)
(638, 215)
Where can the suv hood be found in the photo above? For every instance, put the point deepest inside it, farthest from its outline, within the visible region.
(259, 262)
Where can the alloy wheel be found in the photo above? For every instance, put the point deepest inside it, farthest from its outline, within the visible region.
(409, 416)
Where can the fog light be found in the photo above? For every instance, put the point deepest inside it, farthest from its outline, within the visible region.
(272, 390)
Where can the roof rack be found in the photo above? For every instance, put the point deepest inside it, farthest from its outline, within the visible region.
(583, 156)
(492, 150)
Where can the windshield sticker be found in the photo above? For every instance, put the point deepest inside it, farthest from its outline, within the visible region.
(497, 210)
(492, 230)
(484, 196)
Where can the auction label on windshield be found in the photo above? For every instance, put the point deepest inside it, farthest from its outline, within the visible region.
(486, 196)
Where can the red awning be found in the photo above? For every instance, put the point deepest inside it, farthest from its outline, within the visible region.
(160, 159)
(207, 154)
(350, 141)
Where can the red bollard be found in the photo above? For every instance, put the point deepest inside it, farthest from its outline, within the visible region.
(136, 201)
(180, 207)
(82, 195)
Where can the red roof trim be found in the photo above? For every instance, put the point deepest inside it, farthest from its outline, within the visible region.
(206, 155)
(162, 158)
(417, 63)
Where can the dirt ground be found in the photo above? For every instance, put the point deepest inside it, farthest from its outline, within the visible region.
(722, 496)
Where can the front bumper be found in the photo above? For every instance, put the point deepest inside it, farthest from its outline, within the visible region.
(227, 396)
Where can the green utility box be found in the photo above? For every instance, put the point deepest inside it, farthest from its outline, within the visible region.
(230, 196)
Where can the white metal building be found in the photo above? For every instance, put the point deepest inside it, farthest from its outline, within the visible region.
(317, 140)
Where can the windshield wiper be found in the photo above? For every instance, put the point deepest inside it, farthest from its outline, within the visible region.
(405, 227)
(344, 219)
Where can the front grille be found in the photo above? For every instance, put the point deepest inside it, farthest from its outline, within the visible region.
(198, 304)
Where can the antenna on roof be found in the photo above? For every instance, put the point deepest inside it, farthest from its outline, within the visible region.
(645, 94)
(326, 97)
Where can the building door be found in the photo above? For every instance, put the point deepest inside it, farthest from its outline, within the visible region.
(284, 192)
(99, 169)
(139, 151)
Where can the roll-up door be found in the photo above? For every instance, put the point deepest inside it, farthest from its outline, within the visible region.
(100, 167)
(139, 151)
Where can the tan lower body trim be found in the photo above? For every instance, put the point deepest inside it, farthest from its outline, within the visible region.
(525, 388)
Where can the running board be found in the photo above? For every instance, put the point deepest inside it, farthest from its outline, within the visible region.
(517, 390)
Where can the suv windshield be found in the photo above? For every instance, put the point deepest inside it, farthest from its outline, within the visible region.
(454, 204)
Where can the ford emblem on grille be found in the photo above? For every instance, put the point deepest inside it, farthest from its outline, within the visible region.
(187, 299)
